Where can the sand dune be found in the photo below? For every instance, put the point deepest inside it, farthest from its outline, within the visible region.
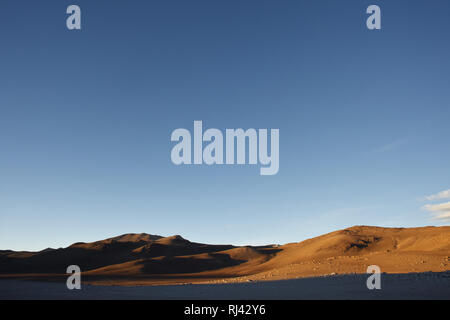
(151, 259)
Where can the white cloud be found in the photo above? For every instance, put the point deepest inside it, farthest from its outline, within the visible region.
(443, 216)
(441, 195)
(441, 211)
(390, 146)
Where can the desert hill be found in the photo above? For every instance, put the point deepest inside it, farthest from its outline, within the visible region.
(151, 259)
(93, 255)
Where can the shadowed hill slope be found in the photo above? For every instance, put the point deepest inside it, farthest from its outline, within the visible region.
(88, 256)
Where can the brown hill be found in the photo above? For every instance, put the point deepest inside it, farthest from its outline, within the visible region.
(149, 259)
(394, 250)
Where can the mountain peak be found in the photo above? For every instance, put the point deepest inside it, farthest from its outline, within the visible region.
(176, 239)
(136, 237)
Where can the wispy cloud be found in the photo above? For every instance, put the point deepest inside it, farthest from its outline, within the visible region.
(390, 146)
(438, 196)
(441, 211)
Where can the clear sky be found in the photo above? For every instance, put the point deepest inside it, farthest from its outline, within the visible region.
(86, 118)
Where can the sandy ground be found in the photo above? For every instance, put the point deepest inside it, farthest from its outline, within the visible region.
(393, 286)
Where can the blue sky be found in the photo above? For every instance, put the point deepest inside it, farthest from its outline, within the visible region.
(86, 118)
